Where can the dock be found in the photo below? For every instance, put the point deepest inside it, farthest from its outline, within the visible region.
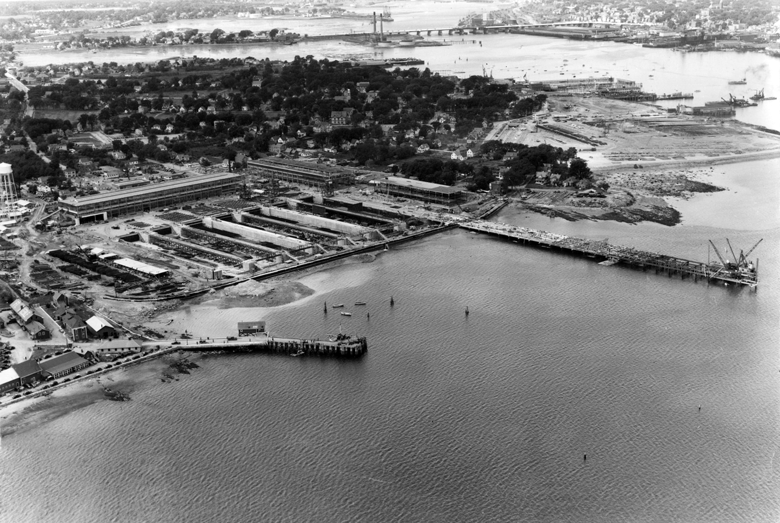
(340, 345)
(607, 254)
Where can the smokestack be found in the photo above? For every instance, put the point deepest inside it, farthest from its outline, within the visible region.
(375, 24)
(381, 28)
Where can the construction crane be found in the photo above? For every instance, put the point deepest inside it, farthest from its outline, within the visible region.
(740, 268)
(743, 257)
(726, 265)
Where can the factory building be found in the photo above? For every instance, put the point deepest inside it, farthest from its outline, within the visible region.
(143, 199)
(429, 192)
(301, 173)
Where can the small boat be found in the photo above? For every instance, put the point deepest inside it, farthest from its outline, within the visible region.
(738, 82)
(360, 303)
(340, 305)
(297, 354)
(346, 314)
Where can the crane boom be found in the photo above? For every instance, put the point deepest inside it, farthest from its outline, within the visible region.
(733, 256)
(753, 248)
(717, 252)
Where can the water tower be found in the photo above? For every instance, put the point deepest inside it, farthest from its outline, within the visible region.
(8, 196)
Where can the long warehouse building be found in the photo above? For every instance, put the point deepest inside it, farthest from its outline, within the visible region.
(109, 205)
(301, 172)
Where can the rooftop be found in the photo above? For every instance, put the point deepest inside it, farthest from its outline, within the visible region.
(425, 186)
(26, 368)
(150, 189)
(96, 323)
(8, 375)
(62, 363)
(140, 267)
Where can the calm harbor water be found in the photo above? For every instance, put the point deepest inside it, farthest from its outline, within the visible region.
(454, 418)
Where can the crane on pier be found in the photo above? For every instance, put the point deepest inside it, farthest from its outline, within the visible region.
(741, 268)
(743, 257)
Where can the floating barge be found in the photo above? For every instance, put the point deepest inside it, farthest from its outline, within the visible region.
(340, 345)
(607, 254)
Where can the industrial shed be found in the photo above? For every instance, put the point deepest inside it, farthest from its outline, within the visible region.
(100, 328)
(62, 365)
(143, 268)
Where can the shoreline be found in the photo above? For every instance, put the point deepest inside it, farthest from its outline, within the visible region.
(27, 413)
(694, 162)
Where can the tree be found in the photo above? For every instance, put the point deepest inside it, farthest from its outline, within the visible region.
(578, 168)
(272, 33)
(216, 34)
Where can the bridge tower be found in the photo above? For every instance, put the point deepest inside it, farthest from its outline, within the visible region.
(8, 194)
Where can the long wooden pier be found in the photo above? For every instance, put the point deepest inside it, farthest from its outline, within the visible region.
(607, 254)
(340, 345)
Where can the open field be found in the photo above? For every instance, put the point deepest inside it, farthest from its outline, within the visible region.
(61, 114)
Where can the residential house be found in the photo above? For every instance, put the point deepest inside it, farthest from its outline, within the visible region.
(342, 117)
(38, 331)
(22, 312)
(74, 326)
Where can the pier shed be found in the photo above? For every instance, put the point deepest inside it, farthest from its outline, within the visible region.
(249, 328)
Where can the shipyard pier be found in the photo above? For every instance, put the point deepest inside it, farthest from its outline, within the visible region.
(340, 345)
(739, 272)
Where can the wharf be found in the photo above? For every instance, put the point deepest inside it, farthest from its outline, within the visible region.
(340, 345)
(607, 254)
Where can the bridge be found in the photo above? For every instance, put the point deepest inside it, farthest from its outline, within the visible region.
(485, 29)
(475, 29)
